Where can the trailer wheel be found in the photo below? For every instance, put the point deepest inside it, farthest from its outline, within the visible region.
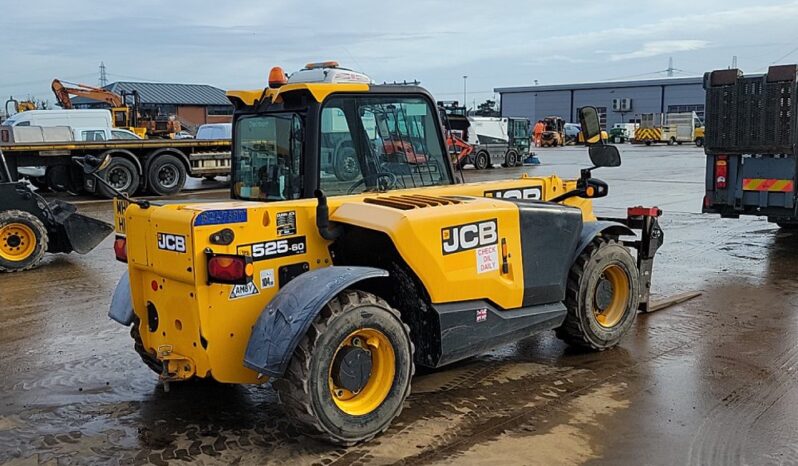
(23, 241)
(345, 164)
(482, 160)
(122, 174)
(511, 159)
(602, 296)
(350, 375)
(166, 175)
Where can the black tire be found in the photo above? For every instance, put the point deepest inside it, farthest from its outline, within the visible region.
(166, 175)
(149, 359)
(17, 230)
(63, 178)
(345, 164)
(586, 281)
(122, 174)
(671, 141)
(305, 390)
(511, 158)
(482, 160)
(648, 143)
(699, 142)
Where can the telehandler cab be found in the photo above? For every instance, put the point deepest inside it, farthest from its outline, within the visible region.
(336, 289)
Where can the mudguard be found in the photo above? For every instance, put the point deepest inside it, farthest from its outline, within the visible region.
(122, 303)
(286, 319)
(592, 229)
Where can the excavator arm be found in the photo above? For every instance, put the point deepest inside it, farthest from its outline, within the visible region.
(62, 94)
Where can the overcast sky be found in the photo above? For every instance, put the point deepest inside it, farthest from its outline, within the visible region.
(232, 44)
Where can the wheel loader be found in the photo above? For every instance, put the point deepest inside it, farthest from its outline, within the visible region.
(336, 290)
(30, 226)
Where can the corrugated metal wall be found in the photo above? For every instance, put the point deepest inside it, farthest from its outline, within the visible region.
(538, 104)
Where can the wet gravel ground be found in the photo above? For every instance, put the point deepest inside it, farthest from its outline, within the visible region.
(710, 381)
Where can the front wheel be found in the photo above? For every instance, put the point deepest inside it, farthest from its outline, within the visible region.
(23, 241)
(350, 375)
(602, 297)
(511, 159)
(699, 142)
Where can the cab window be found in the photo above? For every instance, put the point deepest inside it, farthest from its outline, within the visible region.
(378, 144)
(268, 154)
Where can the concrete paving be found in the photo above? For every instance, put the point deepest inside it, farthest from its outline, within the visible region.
(710, 381)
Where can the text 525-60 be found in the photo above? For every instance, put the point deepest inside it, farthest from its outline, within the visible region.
(278, 248)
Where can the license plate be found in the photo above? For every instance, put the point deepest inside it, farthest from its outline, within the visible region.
(120, 205)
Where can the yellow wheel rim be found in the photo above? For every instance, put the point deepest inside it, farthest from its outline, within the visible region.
(17, 242)
(383, 371)
(611, 296)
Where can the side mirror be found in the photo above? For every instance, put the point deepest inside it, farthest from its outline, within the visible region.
(604, 156)
(591, 124)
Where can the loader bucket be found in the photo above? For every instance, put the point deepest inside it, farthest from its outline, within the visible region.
(83, 233)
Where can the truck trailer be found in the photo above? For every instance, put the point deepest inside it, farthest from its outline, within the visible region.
(752, 144)
(156, 166)
(670, 128)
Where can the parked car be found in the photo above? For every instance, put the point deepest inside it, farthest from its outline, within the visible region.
(571, 132)
(215, 131)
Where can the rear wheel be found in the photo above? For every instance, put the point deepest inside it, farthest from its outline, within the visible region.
(699, 142)
(602, 296)
(482, 160)
(671, 141)
(23, 241)
(648, 143)
(350, 375)
(166, 175)
(122, 174)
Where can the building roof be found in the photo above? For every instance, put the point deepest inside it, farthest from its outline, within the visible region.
(603, 85)
(167, 94)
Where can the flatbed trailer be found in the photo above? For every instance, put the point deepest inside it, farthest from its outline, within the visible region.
(157, 166)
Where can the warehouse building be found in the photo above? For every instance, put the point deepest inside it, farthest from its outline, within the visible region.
(193, 104)
(617, 102)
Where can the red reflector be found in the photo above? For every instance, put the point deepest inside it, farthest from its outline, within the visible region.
(120, 249)
(640, 211)
(154, 285)
(229, 269)
(721, 171)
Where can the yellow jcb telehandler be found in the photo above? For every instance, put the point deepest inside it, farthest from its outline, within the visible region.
(336, 289)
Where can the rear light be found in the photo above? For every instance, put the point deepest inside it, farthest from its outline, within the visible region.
(227, 268)
(721, 171)
(120, 248)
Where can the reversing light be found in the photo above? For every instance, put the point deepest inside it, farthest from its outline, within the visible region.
(721, 171)
(120, 248)
(321, 64)
(277, 77)
(230, 269)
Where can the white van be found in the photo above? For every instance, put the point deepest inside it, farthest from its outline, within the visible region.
(103, 134)
(71, 118)
(214, 131)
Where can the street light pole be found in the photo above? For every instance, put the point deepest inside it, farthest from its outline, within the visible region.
(465, 97)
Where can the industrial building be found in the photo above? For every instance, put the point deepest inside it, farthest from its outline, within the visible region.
(642, 96)
(193, 104)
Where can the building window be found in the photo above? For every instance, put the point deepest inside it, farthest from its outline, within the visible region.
(698, 109)
(220, 110)
(602, 113)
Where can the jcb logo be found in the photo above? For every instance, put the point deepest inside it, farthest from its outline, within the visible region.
(533, 193)
(469, 236)
(169, 242)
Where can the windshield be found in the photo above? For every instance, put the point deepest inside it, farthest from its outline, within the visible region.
(268, 154)
(380, 143)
